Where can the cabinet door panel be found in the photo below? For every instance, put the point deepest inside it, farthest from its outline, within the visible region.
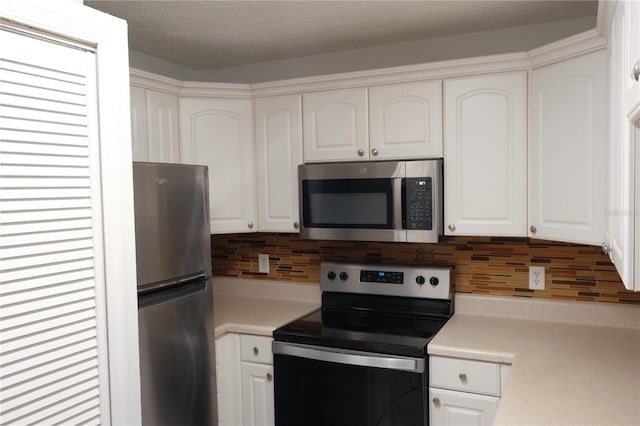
(452, 408)
(257, 394)
(219, 134)
(619, 225)
(279, 152)
(485, 155)
(632, 36)
(335, 125)
(139, 124)
(405, 120)
(567, 150)
(162, 125)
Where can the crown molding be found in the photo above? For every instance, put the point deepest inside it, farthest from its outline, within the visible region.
(566, 48)
(195, 89)
(401, 74)
(152, 81)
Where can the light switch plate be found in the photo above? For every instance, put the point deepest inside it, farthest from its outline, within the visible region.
(263, 263)
(536, 277)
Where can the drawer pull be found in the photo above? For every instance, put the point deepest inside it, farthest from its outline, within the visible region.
(436, 402)
(256, 351)
(463, 377)
(269, 377)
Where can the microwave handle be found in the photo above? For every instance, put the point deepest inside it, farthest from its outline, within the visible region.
(398, 199)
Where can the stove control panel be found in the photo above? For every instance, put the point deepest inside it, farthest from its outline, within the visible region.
(431, 282)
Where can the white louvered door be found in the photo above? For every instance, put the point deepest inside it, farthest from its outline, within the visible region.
(52, 309)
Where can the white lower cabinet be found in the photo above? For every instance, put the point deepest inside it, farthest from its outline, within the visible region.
(244, 369)
(464, 392)
(460, 408)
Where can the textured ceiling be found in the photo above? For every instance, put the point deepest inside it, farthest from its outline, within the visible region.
(218, 34)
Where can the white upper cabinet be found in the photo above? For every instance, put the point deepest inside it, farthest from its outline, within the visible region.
(405, 120)
(278, 153)
(218, 133)
(618, 242)
(632, 58)
(155, 135)
(335, 125)
(485, 155)
(139, 124)
(162, 127)
(567, 150)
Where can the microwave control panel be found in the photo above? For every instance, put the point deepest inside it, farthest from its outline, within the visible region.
(417, 203)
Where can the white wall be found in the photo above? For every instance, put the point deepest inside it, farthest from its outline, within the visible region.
(504, 40)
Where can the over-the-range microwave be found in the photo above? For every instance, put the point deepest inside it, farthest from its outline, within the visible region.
(372, 201)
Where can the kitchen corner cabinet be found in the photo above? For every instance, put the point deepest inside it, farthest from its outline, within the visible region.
(278, 130)
(485, 155)
(244, 366)
(405, 121)
(464, 392)
(567, 148)
(218, 133)
(154, 126)
(335, 125)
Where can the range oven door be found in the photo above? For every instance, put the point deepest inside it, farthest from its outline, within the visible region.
(326, 386)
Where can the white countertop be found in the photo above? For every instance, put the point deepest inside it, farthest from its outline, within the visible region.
(259, 307)
(571, 363)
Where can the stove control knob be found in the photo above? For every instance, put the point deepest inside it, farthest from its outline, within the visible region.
(420, 279)
(344, 276)
(331, 275)
(434, 281)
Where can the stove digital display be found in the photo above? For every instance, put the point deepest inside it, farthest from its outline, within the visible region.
(385, 277)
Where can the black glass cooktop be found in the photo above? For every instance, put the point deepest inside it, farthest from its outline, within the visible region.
(386, 325)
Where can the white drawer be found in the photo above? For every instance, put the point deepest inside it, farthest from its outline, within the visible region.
(256, 349)
(464, 375)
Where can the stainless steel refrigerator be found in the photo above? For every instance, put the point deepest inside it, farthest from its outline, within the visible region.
(175, 299)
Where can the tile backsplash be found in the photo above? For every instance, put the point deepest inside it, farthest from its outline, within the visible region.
(483, 265)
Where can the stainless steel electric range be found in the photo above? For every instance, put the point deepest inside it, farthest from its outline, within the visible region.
(362, 358)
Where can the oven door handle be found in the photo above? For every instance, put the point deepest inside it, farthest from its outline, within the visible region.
(342, 356)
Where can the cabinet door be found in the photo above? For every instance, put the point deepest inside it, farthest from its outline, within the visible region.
(568, 103)
(335, 125)
(632, 61)
(218, 133)
(485, 152)
(405, 120)
(278, 154)
(228, 380)
(619, 224)
(139, 124)
(162, 125)
(452, 408)
(257, 394)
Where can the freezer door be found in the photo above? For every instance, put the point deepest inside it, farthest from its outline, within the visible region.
(172, 221)
(177, 356)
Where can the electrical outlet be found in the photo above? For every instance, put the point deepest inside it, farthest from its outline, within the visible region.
(263, 263)
(536, 277)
